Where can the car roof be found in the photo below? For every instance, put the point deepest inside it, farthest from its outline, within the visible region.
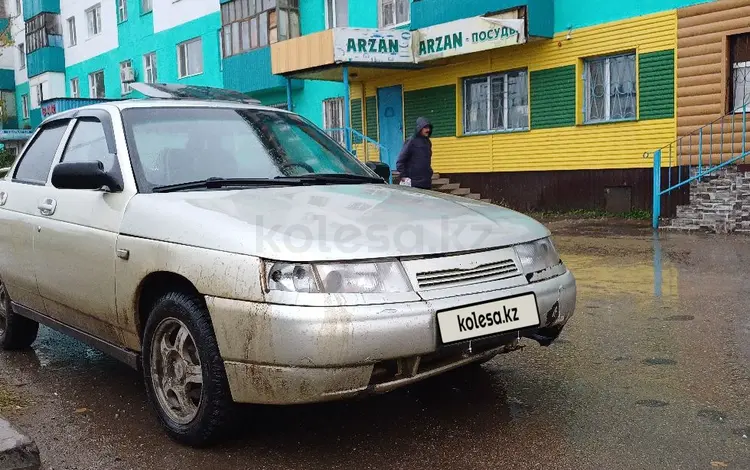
(159, 103)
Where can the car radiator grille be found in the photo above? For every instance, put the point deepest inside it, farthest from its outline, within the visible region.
(462, 277)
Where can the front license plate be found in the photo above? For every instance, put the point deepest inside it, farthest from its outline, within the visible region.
(488, 318)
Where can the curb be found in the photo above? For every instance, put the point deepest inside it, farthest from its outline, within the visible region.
(17, 452)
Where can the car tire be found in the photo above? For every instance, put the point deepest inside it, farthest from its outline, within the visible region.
(178, 344)
(16, 332)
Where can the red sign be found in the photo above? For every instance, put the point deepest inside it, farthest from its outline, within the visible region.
(49, 109)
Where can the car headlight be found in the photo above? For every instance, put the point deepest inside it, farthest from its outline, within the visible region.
(337, 278)
(537, 258)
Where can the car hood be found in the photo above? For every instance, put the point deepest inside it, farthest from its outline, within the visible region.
(334, 222)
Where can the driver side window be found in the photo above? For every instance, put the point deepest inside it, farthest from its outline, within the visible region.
(88, 143)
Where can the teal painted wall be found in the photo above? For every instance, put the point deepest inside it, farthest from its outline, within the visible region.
(136, 37)
(22, 89)
(581, 13)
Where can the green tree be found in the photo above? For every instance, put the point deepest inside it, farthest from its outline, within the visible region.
(6, 158)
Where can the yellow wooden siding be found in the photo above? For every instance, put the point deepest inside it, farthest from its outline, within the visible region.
(614, 145)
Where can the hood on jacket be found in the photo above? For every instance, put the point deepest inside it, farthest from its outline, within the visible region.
(421, 124)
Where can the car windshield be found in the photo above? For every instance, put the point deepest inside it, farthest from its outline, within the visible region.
(175, 145)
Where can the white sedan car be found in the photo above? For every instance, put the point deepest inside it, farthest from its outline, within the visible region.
(235, 253)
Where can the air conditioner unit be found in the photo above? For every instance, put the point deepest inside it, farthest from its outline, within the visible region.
(127, 75)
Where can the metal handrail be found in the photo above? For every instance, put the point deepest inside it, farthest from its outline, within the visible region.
(381, 149)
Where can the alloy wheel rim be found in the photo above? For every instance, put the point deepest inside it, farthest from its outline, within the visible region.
(176, 371)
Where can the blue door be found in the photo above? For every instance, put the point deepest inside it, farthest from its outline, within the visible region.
(391, 123)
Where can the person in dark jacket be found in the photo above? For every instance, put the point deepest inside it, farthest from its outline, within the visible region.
(415, 159)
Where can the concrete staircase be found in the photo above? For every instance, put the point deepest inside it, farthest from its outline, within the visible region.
(444, 185)
(719, 203)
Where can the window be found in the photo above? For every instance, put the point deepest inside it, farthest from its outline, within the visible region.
(43, 30)
(169, 145)
(122, 10)
(88, 143)
(739, 62)
(36, 162)
(96, 84)
(337, 13)
(497, 102)
(149, 67)
(18, 8)
(94, 19)
(21, 56)
(126, 67)
(393, 12)
(252, 24)
(75, 91)
(25, 106)
(609, 88)
(39, 89)
(72, 35)
(333, 117)
(190, 58)
(146, 6)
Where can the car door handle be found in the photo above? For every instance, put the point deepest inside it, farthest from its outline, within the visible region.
(47, 206)
(3, 198)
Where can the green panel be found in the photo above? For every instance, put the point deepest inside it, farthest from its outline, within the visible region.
(436, 104)
(553, 97)
(371, 117)
(356, 113)
(656, 85)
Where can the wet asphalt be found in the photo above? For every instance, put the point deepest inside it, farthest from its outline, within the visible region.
(653, 371)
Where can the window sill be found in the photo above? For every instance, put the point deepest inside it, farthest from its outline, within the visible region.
(509, 131)
(611, 121)
(188, 76)
(94, 36)
(396, 26)
(119, 22)
(144, 13)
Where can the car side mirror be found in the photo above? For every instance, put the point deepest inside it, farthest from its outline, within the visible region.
(381, 169)
(84, 175)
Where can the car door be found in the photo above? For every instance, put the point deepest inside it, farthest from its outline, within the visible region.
(76, 245)
(20, 193)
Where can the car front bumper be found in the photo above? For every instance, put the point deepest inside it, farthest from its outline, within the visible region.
(284, 354)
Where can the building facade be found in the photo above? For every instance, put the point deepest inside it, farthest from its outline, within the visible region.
(538, 104)
(64, 53)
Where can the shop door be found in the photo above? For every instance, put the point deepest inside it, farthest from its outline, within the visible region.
(391, 122)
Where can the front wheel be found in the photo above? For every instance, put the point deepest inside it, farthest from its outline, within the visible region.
(183, 371)
(16, 332)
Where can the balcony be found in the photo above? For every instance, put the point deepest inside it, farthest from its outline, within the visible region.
(46, 59)
(540, 13)
(306, 52)
(31, 8)
(236, 76)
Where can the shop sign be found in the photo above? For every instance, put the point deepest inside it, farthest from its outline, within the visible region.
(372, 45)
(468, 35)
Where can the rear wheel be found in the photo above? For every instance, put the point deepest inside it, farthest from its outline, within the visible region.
(183, 371)
(16, 332)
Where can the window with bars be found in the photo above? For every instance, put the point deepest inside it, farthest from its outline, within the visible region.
(393, 12)
(739, 63)
(337, 13)
(333, 117)
(124, 67)
(96, 84)
(610, 88)
(252, 24)
(43, 30)
(496, 102)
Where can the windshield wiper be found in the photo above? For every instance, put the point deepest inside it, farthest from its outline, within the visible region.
(218, 183)
(333, 178)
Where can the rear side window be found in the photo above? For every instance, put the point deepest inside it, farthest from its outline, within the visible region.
(36, 162)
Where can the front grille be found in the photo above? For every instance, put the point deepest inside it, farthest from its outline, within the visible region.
(462, 277)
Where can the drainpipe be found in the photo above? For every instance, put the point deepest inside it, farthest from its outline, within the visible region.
(364, 115)
(347, 120)
(289, 103)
